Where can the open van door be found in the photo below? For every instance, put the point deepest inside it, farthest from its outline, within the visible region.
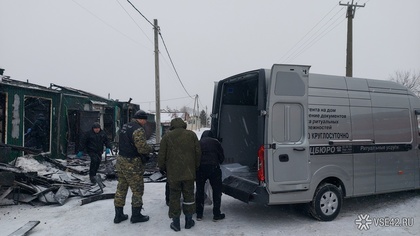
(287, 149)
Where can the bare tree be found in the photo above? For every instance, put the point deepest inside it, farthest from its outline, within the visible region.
(410, 79)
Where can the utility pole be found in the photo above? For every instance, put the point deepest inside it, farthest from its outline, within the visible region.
(196, 117)
(157, 85)
(206, 117)
(198, 113)
(351, 10)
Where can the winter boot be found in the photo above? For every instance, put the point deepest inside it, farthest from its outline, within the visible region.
(119, 215)
(175, 225)
(136, 215)
(189, 222)
(221, 216)
(92, 180)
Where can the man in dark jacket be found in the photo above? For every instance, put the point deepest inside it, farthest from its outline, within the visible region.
(179, 156)
(212, 156)
(133, 149)
(92, 143)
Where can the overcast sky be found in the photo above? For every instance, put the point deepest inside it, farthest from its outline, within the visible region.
(106, 46)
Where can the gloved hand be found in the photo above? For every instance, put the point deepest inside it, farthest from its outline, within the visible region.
(107, 151)
(28, 131)
(79, 154)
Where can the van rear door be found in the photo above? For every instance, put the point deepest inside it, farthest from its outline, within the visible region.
(287, 163)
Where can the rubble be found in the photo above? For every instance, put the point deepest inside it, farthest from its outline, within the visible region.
(25, 228)
(37, 178)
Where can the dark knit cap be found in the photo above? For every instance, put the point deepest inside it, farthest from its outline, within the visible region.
(140, 114)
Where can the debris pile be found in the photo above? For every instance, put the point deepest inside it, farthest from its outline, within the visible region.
(39, 178)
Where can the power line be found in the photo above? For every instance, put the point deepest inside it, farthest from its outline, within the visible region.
(307, 33)
(173, 66)
(141, 14)
(311, 39)
(166, 48)
(318, 37)
(134, 21)
(110, 26)
(315, 35)
(160, 34)
(169, 99)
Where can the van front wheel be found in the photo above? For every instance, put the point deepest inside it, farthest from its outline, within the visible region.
(326, 203)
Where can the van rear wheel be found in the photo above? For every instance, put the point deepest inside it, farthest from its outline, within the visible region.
(326, 203)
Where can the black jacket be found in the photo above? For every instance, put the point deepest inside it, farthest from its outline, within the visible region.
(92, 142)
(133, 142)
(211, 150)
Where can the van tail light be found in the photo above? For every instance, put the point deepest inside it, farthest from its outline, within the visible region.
(261, 174)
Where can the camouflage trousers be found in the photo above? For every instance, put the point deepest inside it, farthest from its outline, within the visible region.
(176, 188)
(130, 175)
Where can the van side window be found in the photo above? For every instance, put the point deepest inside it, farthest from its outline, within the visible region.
(289, 84)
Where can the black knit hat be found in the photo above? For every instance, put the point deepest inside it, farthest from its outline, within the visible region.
(140, 114)
(96, 125)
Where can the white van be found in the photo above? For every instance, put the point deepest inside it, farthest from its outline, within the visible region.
(294, 137)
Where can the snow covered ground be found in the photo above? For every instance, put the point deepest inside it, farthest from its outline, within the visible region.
(96, 218)
(372, 215)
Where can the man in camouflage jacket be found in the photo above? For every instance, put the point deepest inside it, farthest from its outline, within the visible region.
(130, 168)
(179, 156)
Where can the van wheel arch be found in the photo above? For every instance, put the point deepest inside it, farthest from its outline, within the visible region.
(327, 201)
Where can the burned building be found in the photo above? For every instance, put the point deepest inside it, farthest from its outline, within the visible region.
(52, 119)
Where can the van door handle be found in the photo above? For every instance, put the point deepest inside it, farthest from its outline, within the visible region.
(299, 149)
(283, 158)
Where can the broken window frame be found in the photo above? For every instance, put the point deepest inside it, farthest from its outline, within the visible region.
(34, 107)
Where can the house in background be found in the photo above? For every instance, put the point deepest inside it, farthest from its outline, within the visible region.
(65, 113)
